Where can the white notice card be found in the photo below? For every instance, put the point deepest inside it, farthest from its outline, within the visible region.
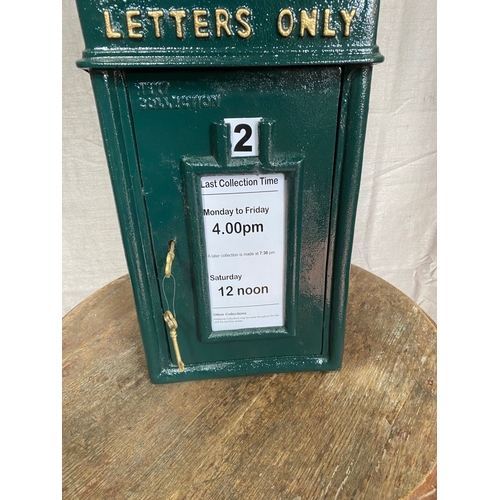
(244, 219)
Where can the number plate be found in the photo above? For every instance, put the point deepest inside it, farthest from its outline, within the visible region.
(244, 136)
(244, 220)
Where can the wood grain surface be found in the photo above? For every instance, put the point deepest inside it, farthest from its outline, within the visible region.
(365, 432)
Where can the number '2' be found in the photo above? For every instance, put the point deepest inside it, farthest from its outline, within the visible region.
(240, 145)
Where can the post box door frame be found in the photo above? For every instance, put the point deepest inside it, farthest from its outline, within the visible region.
(117, 130)
(291, 165)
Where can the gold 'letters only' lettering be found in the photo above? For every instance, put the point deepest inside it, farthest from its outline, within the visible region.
(200, 23)
(155, 16)
(224, 23)
(221, 22)
(347, 18)
(326, 24)
(110, 33)
(308, 22)
(132, 25)
(285, 14)
(179, 16)
(247, 29)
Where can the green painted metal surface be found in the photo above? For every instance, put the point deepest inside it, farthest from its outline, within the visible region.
(165, 80)
(120, 33)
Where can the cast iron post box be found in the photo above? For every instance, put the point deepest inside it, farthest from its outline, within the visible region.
(234, 137)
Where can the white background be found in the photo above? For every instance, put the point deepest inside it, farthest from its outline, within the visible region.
(396, 225)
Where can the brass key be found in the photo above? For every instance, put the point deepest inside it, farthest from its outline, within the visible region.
(172, 325)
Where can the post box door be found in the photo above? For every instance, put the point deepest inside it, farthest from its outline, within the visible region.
(235, 163)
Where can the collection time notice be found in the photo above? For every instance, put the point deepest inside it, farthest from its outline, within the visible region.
(244, 222)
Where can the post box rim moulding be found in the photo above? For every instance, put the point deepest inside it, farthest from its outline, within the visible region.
(153, 33)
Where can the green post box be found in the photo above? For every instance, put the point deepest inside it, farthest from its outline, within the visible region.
(234, 137)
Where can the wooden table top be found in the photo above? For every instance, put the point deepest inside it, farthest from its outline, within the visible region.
(365, 432)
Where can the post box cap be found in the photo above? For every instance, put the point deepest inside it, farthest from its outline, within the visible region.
(215, 33)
